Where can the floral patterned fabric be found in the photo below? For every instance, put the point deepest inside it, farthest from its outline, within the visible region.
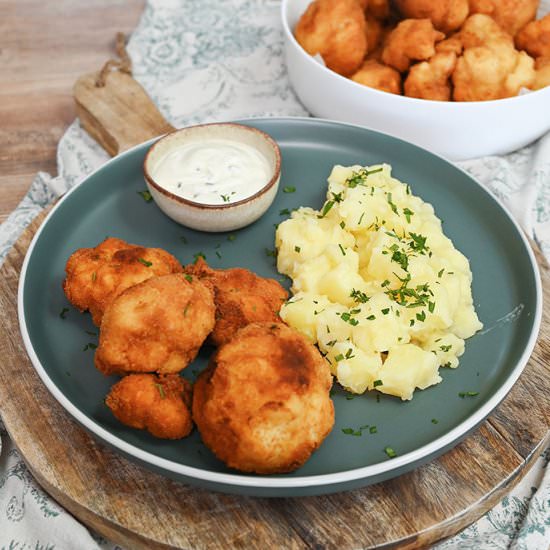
(206, 60)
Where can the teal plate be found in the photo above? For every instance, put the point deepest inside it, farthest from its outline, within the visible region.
(506, 288)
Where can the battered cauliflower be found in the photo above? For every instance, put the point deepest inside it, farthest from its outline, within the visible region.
(335, 29)
(156, 326)
(511, 15)
(430, 79)
(96, 276)
(446, 15)
(534, 38)
(158, 404)
(411, 40)
(263, 403)
(380, 76)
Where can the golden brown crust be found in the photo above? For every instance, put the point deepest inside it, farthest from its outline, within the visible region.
(241, 297)
(95, 276)
(156, 326)
(411, 40)
(446, 15)
(335, 29)
(510, 15)
(542, 77)
(534, 38)
(379, 76)
(430, 79)
(158, 404)
(490, 67)
(263, 403)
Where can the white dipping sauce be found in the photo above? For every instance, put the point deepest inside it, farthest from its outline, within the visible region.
(213, 171)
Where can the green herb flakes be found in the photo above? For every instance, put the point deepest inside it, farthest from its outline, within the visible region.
(145, 262)
(145, 195)
(289, 189)
(390, 452)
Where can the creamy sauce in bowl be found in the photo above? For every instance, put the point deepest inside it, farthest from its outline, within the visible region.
(212, 171)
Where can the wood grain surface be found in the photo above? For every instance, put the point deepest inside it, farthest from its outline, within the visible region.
(44, 48)
(140, 509)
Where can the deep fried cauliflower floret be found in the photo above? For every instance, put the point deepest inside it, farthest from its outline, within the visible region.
(534, 38)
(336, 29)
(158, 404)
(511, 15)
(452, 44)
(156, 326)
(263, 403)
(430, 79)
(95, 276)
(542, 76)
(380, 76)
(446, 15)
(411, 40)
(490, 67)
(241, 297)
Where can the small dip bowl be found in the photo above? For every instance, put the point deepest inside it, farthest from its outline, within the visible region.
(226, 216)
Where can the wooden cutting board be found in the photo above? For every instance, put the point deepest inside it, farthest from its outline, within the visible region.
(140, 509)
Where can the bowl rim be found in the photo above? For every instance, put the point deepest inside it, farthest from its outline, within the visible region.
(232, 479)
(291, 39)
(276, 173)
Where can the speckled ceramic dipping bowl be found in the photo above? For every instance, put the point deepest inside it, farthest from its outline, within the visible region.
(214, 217)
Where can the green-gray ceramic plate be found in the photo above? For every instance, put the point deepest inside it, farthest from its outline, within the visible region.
(506, 288)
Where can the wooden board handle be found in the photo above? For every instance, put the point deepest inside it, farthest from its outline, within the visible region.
(118, 114)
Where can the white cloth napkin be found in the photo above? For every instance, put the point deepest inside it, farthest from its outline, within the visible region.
(206, 60)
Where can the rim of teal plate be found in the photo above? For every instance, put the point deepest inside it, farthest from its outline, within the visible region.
(264, 482)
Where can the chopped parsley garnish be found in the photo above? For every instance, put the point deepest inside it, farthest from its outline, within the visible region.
(225, 198)
(339, 358)
(188, 277)
(464, 394)
(349, 319)
(145, 195)
(349, 354)
(360, 177)
(360, 219)
(435, 421)
(440, 272)
(63, 312)
(377, 383)
(145, 262)
(343, 225)
(385, 311)
(289, 189)
(88, 346)
(371, 317)
(392, 205)
(445, 349)
(431, 307)
(161, 390)
(198, 255)
(342, 249)
(284, 212)
(373, 430)
(418, 243)
(297, 249)
(94, 277)
(271, 252)
(326, 209)
(351, 431)
(421, 316)
(231, 237)
(408, 213)
(359, 297)
(218, 254)
(390, 452)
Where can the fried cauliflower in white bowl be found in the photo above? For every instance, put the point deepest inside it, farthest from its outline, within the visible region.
(464, 82)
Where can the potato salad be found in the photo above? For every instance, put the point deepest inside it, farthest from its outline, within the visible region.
(376, 284)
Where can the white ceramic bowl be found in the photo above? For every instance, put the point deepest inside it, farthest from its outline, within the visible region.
(457, 130)
(215, 217)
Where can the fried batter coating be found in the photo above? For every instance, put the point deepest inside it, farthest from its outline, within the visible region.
(379, 76)
(336, 29)
(241, 297)
(490, 67)
(542, 76)
(375, 32)
(95, 276)
(452, 44)
(511, 15)
(430, 79)
(446, 15)
(534, 38)
(263, 403)
(158, 404)
(412, 39)
(155, 326)
(380, 9)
